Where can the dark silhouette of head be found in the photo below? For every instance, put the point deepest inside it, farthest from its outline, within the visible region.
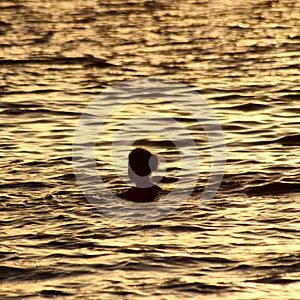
(140, 166)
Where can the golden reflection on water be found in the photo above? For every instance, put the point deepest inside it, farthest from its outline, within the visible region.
(237, 53)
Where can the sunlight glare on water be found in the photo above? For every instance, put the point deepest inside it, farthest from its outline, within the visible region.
(242, 57)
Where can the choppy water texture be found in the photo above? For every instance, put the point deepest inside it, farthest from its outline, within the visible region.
(243, 56)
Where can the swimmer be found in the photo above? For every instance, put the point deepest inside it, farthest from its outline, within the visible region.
(141, 164)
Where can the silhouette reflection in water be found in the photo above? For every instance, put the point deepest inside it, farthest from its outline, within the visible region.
(141, 164)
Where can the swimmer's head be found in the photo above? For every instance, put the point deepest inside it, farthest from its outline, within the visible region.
(142, 162)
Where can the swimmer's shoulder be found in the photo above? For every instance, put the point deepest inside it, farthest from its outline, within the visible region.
(141, 194)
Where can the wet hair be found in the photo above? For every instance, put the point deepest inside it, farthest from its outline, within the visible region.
(143, 162)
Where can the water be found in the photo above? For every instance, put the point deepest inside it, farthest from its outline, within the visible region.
(243, 57)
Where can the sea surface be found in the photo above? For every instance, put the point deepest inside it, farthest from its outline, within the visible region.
(242, 57)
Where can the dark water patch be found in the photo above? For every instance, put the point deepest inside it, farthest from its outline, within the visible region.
(188, 228)
(294, 110)
(4, 24)
(273, 188)
(42, 91)
(23, 274)
(289, 66)
(286, 230)
(133, 251)
(68, 244)
(9, 146)
(292, 140)
(120, 265)
(73, 255)
(278, 266)
(54, 293)
(150, 262)
(12, 6)
(274, 280)
(249, 107)
(69, 130)
(166, 179)
(20, 105)
(230, 97)
(62, 159)
(249, 123)
(291, 96)
(17, 111)
(244, 267)
(8, 255)
(51, 163)
(291, 46)
(260, 49)
(88, 60)
(151, 143)
(39, 236)
(193, 287)
(106, 233)
(67, 177)
(194, 260)
(291, 260)
(125, 293)
(189, 120)
(294, 37)
(233, 127)
(27, 185)
(280, 168)
(258, 176)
